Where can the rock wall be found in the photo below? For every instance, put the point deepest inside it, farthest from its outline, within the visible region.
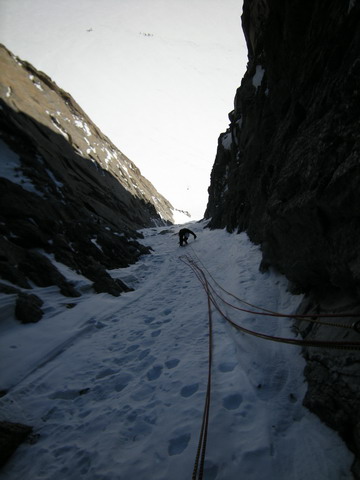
(66, 193)
(287, 171)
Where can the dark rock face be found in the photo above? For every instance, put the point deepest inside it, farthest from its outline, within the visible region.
(67, 194)
(333, 375)
(11, 436)
(287, 172)
(28, 308)
(287, 169)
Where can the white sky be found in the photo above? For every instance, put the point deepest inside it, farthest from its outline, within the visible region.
(157, 76)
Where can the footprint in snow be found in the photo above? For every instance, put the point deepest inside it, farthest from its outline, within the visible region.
(135, 335)
(145, 364)
(132, 348)
(61, 450)
(105, 373)
(143, 392)
(122, 381)
(144, 354)
(232, 401)
(177, 445)
(132, 416)
(66, 394)
(149, 320)
(174, 362)
(154, 372)
(227, 366)
(189, 390)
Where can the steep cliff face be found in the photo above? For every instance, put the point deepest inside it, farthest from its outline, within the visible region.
(287, 171)
(66, 192)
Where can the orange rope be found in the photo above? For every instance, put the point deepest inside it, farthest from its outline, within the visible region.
(270, 313)
(310, 343)
(275, 314)
(211, 293)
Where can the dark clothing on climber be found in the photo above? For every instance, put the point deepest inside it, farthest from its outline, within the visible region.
(184, 235)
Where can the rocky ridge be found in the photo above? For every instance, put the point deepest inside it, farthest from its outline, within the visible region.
(67, 194)
(287, 172)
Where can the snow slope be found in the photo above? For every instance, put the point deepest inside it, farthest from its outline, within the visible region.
(157, 76)
(115, 387)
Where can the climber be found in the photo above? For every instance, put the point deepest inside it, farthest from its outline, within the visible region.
(184, 235)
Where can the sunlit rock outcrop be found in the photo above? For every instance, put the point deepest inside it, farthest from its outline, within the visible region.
(67, 194)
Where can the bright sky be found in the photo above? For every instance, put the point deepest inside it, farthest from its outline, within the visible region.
(157, 76)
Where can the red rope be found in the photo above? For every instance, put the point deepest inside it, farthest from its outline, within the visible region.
(306, 318)
(313, 343)
(210, 291)
(269, 312)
